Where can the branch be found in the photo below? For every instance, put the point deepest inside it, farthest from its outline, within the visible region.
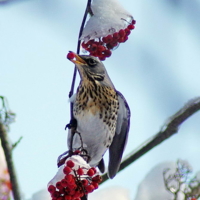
(87, 10)
(169, 128)
(8, 155)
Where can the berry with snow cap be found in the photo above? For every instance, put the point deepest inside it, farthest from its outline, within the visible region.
(73, 180)
(106, 28)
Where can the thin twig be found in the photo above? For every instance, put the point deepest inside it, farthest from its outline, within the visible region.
(8, 155)
(87, 10)
(170, 128)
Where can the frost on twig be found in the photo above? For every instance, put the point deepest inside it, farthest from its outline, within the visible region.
(6, 115)
(180, 184)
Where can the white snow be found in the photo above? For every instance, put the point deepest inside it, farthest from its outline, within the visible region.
(109, 17)
(152, 187)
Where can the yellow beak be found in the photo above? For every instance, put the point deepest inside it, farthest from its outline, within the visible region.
(77, 59)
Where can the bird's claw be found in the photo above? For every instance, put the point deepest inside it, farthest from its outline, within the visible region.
(72, 124)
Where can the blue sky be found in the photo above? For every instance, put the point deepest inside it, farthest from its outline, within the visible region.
(157, 70)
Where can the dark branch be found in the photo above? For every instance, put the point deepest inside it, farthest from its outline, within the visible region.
(87, 10)
(8, 155)
(170, 128)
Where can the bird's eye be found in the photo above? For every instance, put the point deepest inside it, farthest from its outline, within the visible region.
(92, 62)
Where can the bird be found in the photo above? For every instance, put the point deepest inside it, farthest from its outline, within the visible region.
(101, 113)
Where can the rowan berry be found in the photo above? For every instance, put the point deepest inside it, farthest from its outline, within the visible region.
(67, 170)
(51, 188)
(80, 171)
(70, 163)
(90, 172)
(70, 55)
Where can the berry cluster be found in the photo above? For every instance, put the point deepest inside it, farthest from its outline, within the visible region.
(103, 46)
(74, 183)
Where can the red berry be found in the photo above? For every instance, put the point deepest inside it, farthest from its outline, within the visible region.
(133, 21)
(51, 188)
(125, 38)
(121, 39)
(72, 182)
(64, 182)
(68, 197)
(104, 39)
(84, 45)
(72, 192)
(90, 42)
(80, 171)
(70, 55)
(84, 182)
(121, 33)
(97, 179)
(55, 194)
(67, 170)
(94, 169)
(102, 57)
(99, 53)
(100, 48)
(114, 44)
(77, 194)
(71, 187)
(70, 163)
(109, 38)
(127, 31)
(89, 188)
(77, 152)
(69, 177)
(93, 54)
(107, 53)
(93, 47)
(59, 185)
(90, 172)
(116, 36)
(109, 46)
(131, 27)
(60, 198)
(96, 185)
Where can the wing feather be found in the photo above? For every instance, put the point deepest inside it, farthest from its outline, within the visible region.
(120, 139)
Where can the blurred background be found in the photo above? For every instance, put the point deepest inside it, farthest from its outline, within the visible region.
(157, 70)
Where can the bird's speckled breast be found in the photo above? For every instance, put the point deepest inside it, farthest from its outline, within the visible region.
(96, 109)
(99, 101)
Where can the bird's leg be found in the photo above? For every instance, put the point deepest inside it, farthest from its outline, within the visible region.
(72, 125)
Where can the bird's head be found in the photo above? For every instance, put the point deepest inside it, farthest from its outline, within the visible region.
(91, 69)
